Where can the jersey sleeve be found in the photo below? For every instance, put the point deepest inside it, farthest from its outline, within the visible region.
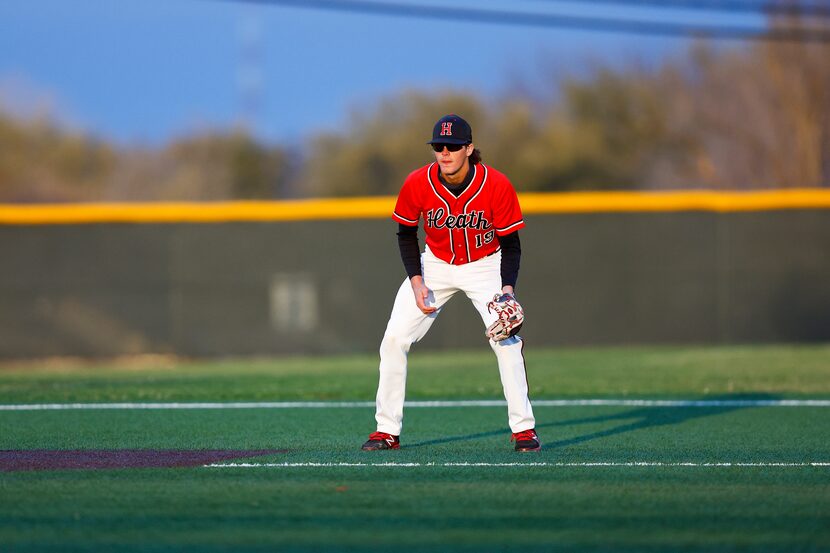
(507, 214)
(408, 207)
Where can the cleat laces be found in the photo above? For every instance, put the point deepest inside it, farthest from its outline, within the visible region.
(382, 437)
(524, 435)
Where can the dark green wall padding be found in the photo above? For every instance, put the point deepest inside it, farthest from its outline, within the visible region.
(327, 286)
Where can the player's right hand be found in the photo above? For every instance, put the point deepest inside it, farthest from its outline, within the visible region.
(422, 295)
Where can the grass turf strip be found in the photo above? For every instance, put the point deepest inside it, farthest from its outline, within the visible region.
(433, 505)
(518, 464)
(567, 509)
(769, 371)
(451, 498)
(714, 403)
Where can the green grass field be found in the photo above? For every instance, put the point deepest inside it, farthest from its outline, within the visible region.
(715, 476)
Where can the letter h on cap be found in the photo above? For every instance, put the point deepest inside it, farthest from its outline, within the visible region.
(446, 128)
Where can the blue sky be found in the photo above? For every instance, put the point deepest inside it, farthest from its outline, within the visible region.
(147, 71)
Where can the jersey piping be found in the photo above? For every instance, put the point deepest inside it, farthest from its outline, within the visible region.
(510, 226)
(447, 205)
(402, 218)
(466, 205)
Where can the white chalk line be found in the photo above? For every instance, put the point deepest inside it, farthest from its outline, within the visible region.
(517, 464)
(685, 403)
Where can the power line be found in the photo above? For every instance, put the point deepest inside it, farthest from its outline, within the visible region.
(733, 6)
(544, 20)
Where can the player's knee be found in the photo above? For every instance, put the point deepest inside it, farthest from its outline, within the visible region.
(395, 343)
(507, 342)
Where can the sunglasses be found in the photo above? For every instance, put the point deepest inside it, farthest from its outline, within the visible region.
(450, 147)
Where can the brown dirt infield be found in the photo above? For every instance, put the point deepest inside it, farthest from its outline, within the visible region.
(59, 459)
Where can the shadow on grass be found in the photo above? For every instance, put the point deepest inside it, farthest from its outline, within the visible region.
(637, 419)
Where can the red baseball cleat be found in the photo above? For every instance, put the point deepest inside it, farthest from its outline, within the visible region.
(527, 440)
(381, 440)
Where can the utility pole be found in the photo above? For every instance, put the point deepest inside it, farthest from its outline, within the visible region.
(250, 74)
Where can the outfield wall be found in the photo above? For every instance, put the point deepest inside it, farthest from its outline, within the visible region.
(268, 278)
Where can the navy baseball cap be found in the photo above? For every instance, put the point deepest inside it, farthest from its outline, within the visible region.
(451, 129)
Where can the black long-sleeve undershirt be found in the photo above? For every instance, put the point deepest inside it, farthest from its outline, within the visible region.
(511, 253)
(410, 249)
(511, 256)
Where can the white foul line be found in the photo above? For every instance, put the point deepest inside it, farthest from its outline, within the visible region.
(542, 464)
(424, 404)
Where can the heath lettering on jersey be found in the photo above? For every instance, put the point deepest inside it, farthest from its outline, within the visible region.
(474, 220)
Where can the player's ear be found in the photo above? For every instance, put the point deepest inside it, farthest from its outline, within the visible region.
(470, 149)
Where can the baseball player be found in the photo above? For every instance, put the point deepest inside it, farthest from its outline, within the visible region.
(471, 218)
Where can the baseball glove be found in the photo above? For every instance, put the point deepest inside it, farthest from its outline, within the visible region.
(510, 317)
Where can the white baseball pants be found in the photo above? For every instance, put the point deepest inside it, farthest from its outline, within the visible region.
(480, 281)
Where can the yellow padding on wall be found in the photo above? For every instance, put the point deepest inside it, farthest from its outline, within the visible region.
(197, 212)
(381, 207)
(594, 202)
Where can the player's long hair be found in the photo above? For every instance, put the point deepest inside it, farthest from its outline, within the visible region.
(475, 157)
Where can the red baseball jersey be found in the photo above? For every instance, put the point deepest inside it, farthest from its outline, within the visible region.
(463, 229)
